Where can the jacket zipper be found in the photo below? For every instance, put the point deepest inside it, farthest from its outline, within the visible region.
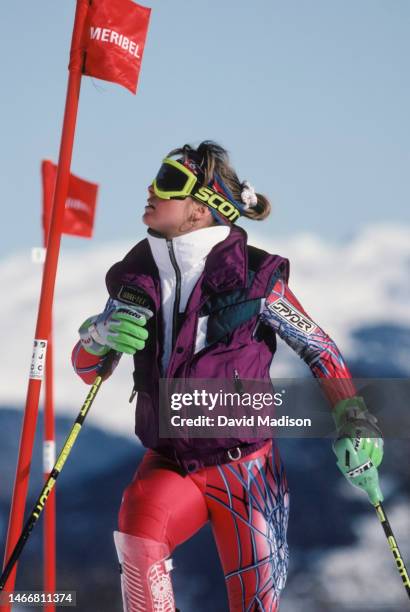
(237, 383)
(177, 291)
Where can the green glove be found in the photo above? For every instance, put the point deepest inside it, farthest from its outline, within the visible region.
(359, 446)
(120, 327)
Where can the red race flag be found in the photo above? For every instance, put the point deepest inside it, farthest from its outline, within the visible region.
(113, 40)
(79, 206)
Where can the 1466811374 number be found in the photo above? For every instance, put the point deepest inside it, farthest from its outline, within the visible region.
(38, 598)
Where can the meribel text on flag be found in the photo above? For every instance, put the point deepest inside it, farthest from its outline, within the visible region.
(111, 36)
(112, 42)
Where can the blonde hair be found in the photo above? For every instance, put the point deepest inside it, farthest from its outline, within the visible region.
(212, 158)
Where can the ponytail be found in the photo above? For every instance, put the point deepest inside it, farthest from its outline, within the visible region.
(260, 210)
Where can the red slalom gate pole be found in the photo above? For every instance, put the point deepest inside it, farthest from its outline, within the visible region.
(46, 298)
(49, 532)
(49, 459)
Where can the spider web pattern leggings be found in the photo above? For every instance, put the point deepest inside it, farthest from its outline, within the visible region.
(246, 502)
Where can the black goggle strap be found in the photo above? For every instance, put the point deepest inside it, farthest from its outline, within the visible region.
(217, 202)
(218, 185)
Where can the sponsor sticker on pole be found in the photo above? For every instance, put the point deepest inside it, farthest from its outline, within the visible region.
(49, 455)
(38, 359)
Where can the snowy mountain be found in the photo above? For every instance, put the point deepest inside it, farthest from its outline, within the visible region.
(340, 561)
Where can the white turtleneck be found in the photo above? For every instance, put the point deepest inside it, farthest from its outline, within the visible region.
(180, 262)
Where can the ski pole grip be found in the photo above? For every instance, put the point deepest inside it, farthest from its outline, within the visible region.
(107, 363)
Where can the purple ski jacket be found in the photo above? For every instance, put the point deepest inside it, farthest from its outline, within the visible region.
(235, 280)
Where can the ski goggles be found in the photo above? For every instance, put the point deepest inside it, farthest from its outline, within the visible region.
(175, 181)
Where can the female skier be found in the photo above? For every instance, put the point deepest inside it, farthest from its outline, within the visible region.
(193, 300)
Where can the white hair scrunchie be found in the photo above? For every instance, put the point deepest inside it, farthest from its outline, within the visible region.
(248, 195)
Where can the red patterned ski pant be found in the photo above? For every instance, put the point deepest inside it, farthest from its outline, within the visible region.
(246, 502)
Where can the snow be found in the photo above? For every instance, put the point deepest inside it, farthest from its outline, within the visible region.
(364, 281)
(366, 573)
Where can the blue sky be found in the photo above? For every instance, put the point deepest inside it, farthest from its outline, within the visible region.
(311, 97)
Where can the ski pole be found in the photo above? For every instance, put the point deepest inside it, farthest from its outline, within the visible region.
(58, 466)
(393, 547)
